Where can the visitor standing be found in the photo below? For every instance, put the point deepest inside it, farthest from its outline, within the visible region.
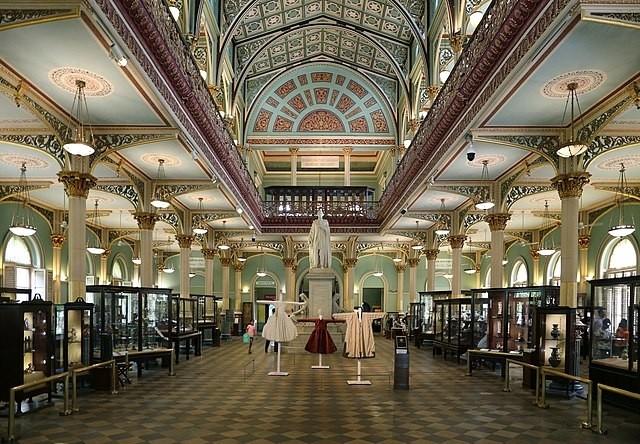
(251, 331)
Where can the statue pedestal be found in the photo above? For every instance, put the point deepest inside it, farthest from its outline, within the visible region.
(320, 292)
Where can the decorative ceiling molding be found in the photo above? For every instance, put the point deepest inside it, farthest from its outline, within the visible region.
(106, 144)
(15, 18)
(47, 143)
(175, 190)
(137, 182)
(540, 144)
(210, 216)
(473, 192)
(125, 191)
(115, 235)
(470, 219)
(605, 143)
(631, 191)
(9, 190)
(170, 218)
(517, 192)
(488, 59)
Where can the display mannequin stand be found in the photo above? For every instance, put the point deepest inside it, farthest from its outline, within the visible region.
(320, 366)
(359, 380)
(278, 371)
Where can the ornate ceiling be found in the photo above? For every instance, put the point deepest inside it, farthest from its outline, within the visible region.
(330, 102)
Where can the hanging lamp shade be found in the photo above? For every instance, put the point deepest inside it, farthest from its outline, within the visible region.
(96, 248)
(261, 272)
(21, 224)
(443, 228)
(546, 248)
(621, 228)
(159, 200)
(572, 147)
(79, 139)
(200, 227)
(484, 201)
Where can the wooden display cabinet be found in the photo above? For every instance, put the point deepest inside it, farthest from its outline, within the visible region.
(555, 341)
(77, 334)
(27, 347)
(8, 294)
(207, 318)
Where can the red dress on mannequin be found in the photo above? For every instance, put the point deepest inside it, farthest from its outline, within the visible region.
(320, 340)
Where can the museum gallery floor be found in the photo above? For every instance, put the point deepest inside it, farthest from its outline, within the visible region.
(211, 401)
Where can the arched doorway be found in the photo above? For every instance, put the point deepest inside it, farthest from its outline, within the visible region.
(373, 291)
(263, 288)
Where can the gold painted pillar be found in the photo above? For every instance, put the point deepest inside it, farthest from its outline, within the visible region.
(457, 242)
(77, 186)
(347, 165)
(290, 268)
(400, 304)
(537, 277)
(583, 258)
(57, 240)
(412, 262)
(226, 264)
(432, 256)
(146, 222)
(209, 254)
(497, 223)
(237, 290)
(185, 241)
(347, 269)
(294, 166)
(569, 188)
(104, 272)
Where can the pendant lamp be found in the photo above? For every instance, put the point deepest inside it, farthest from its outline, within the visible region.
(79, 139)
(200, 227)
(21, 220)
(158, 200)
(546, 248)
(97, 248)
(621, 229)
(572, 147)
(443, 228)
(484, 201)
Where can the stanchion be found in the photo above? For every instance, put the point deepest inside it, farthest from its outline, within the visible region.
(618, 391)
(507, 382)
(82, 370)
(543, 404)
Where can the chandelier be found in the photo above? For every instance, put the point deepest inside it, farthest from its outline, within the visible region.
(261, 272)
(200, 227)
(158, 200)
(621, 229)
(484, 201)
(223, 244)
(21, 221)
(546, 248)
(443, 228)
(572, 147)
(80, 142)
(97, 248)
(417, 246)
(378, 271)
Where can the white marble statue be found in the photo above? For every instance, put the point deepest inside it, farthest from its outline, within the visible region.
(320, 243)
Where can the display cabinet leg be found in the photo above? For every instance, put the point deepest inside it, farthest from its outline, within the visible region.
(172, 364)
(507, 382)
(65, 409)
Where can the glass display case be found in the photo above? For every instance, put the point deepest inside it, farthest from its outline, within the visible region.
(556, 338)
(614, 332)
(77, 334)
(457, 326)
(426, 298)
(183, 313)
(27, 347)
(128, 318)
(510, 321)
(15, 294)
(207, 320)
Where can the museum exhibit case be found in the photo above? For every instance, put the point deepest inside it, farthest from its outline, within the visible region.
(8, 294)
(183, 315)
(27, 347)
(555, 338)
(615, 314)
(425, 301)
(207, 318)
(128, 318)
(74, 332)
(459, 324)
(510, 318)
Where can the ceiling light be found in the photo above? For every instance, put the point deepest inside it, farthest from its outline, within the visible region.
(158, 200)
(485, 202)
(242, 259)
(223, 245)
(572, 147)
(470, 270)
(546, 251)
(447, 276)
(21, 221)
(192, 275)
(175, 12)
(261, 271)
(97, 248)
(239, 210)
(118, 55)
(204, 74)
(378, 273)
(505, 261)
(136, 260)
(168, 269)
(622, 229)
(418, 246)
(80, 141)
(407, 143)
(200, 227)
(444, 75)
(251, 227)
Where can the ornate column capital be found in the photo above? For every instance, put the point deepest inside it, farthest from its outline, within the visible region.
(350, 262)
(226, 261)
(432, 255)
(185, 240)
(497, 221)
(146, 221)
(105, 255)
(457, 240)
(289, 262)
(347, 150)
(583, 242)
(412, 262)
(400, 267)
(57, 240)
(457, 41)
(432, 92)
(535, 253)
(238, 266)
(209, 253)
(570, 185)
(294, 151)
(77, 184)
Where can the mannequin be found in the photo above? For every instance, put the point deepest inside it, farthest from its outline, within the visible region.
(320, 341)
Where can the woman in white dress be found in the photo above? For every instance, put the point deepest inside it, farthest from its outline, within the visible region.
(279, 327)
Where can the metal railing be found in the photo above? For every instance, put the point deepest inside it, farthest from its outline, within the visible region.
(543, 404)
(617, 391)
(82, 370)
(155, 351)
(360, 209)
(507, 382)
(12, 399)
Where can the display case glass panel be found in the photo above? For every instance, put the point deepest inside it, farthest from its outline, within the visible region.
(183, 313)
(77, 334)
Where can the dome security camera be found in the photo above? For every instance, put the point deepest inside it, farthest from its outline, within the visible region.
(403, 211)
(471, 152)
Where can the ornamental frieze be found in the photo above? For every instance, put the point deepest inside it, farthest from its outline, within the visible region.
(43, 142)
(107, 143)
(519, 191)
(604, 143)
(587, 132)
(13, 189)
(11, 18)
(125, 191)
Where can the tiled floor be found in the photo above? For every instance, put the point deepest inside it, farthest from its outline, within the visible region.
(219, 398)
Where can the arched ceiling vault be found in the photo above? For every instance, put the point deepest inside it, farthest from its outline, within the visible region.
(359, 50)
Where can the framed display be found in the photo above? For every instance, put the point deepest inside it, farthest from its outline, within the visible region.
(77, 334)
(15, 294)
(556, 338)
(207, 318)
